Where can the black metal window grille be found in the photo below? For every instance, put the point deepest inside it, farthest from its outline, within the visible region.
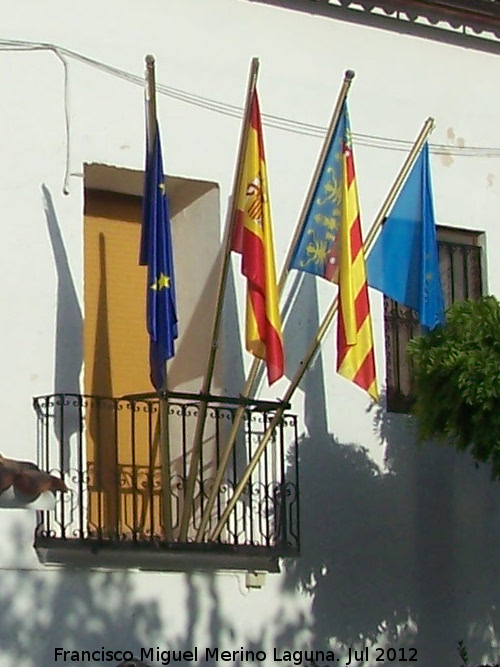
(460, 264)
(106, 450)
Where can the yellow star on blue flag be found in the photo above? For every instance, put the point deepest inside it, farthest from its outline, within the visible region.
(162, 282)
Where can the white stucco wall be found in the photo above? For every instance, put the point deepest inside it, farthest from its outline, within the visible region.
(396, 541)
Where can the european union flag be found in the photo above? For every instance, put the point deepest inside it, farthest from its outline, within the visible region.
(316, 250)
(156, 254)
(404, 262)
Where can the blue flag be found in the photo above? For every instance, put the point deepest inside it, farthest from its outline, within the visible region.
(156, 254)
(404, 262)
(316, 250)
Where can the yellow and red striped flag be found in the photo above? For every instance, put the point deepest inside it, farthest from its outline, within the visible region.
(253, 239)
(355, 354)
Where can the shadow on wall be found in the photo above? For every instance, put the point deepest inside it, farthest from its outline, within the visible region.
(410, 556)
(84, 611)
(228, 377)
(68, 346)
(69, 609)
(77, 610)
(232, 341)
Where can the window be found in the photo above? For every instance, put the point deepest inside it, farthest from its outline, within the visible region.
(123, 455)
(460, 256)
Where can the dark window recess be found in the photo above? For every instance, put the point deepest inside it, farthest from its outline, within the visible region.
(460, 259)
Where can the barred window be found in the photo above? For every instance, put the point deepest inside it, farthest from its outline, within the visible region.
(460, 258)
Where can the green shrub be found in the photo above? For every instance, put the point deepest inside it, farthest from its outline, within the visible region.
(456, 380)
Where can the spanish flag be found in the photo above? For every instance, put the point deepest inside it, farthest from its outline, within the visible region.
(355, 355)
(253, 239)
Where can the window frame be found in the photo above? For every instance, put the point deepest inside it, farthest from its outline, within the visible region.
(401, 321)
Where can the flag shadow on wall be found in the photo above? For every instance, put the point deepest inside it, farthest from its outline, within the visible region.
(407, 556)
(68, 345)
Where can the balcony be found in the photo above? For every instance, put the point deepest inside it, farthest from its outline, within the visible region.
(108, 451)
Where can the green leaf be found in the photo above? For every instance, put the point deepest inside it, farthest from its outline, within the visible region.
(456, 380)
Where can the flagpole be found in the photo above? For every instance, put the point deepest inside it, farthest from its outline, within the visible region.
(163, 436)
(202, 412)
(151, 101)
(324, 326)
(252, 375)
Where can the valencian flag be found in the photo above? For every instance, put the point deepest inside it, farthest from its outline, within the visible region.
(156, 254)
(253, 239)
(355, 355)
(331, 246)
(404, 262)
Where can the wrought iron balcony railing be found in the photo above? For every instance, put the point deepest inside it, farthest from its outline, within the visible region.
(108, 451)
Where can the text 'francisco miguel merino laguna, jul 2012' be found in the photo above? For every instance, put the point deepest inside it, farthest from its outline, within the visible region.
(351, 656)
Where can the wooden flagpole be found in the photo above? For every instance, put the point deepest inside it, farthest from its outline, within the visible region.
(252, 375)
(163, 435)
(325, 324)
(202, 411)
